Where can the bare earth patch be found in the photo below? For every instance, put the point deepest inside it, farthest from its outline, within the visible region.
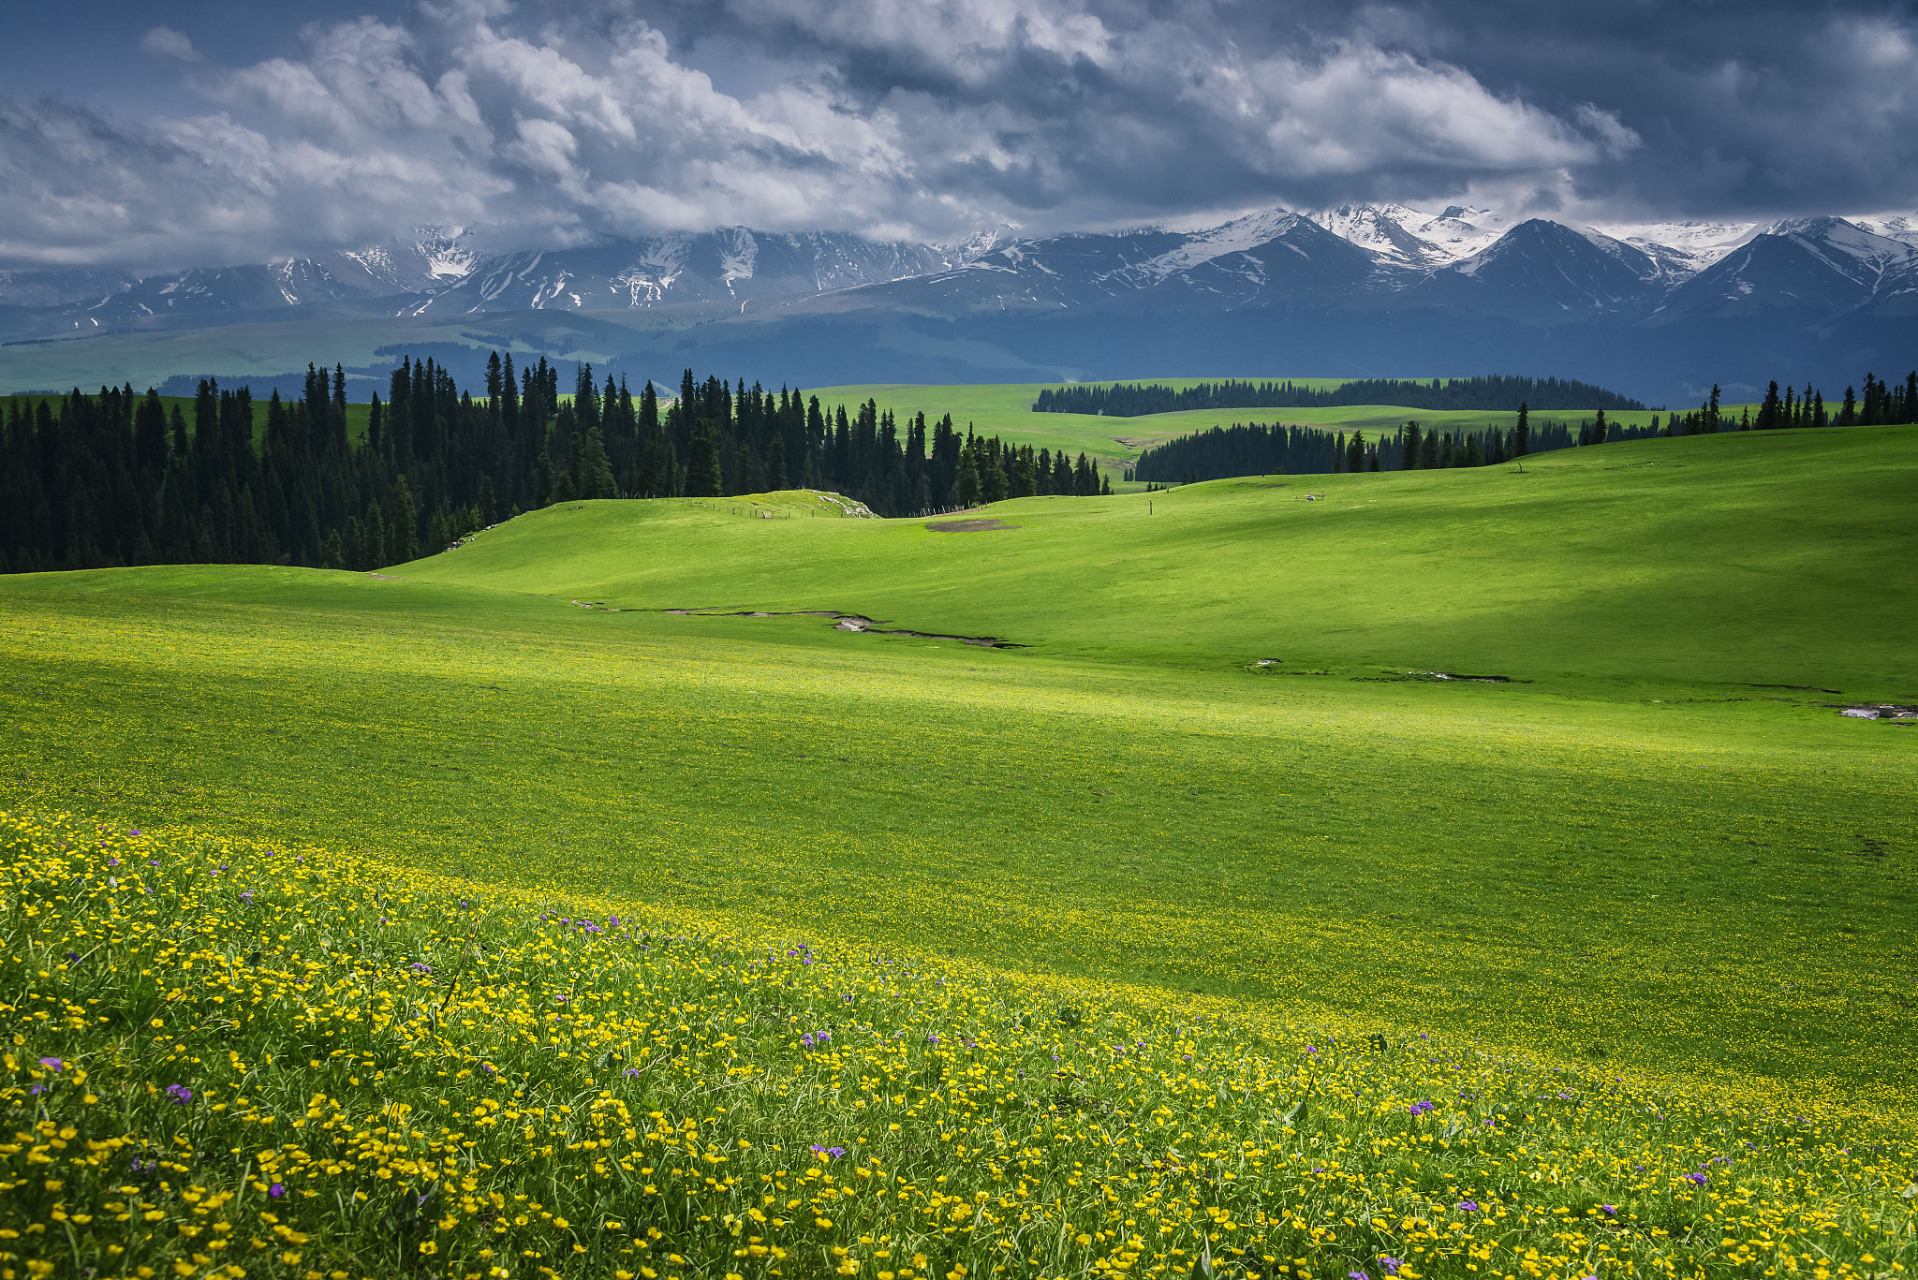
(849, 622)
(1877, 711)
(968, 526)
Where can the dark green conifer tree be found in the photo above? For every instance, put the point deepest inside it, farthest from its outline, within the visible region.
(703, 478)
(776, 464)
(595, 471)
(403, 530)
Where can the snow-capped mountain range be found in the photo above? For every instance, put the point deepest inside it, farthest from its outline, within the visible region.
(1366, 285)
(1398, 249)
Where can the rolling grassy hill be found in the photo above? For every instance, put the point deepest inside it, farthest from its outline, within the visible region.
(1639, 913)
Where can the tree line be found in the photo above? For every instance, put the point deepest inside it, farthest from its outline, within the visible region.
(1132, 400)
(119, 478)
(1258, 449)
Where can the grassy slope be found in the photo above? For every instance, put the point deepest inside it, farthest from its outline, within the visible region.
(1715, 560)
(1638, 855)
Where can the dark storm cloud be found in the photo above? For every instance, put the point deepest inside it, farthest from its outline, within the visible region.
(1749, 108)
(557, 122)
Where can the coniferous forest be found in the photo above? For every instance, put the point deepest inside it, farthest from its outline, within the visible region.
(1496, 394)
(118, 478)
(1258, 449)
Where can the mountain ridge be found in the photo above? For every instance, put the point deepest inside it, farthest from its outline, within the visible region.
(1356, 288)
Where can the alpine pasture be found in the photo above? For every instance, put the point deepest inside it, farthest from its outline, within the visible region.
(1439, 873)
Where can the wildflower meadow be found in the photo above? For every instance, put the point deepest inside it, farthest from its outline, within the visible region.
(234, 1059)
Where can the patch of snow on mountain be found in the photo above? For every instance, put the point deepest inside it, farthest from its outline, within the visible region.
(1232, 237)
(376, 262)
(975, 246)
(1693, 245)
(1381, 229)
(738, 252)
(1902, 227)
(1845, 247)
(660, 265)
(1460, 231)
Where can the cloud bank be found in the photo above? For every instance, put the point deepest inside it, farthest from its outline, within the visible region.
(556, 125)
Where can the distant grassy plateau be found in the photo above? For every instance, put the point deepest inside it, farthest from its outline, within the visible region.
(1006, 410)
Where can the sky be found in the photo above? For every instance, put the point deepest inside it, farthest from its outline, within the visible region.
(174, 133)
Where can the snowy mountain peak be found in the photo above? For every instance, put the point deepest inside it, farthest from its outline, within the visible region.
(1411, 237)
(1839, 242)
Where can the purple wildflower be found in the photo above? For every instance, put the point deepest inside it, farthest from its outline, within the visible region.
(276, 1191)
(1420, 1108)
(179, 1093)
(1610, 1209)
(1391, 1265)
(53, 1064)
(1468, 1206)
(835, 1152)
(1696, 1179)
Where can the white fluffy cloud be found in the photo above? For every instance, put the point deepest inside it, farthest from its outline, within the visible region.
(922, 119)
(165, 42)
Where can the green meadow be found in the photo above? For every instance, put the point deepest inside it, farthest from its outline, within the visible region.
(1656, 843)
(1544, 765)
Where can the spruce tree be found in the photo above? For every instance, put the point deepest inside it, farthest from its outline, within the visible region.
(776, 465)
(595, 472)
(543, 481)
(403, 532)
(965, 487)
(703, 479)
(373, 538)
(1522, 444)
